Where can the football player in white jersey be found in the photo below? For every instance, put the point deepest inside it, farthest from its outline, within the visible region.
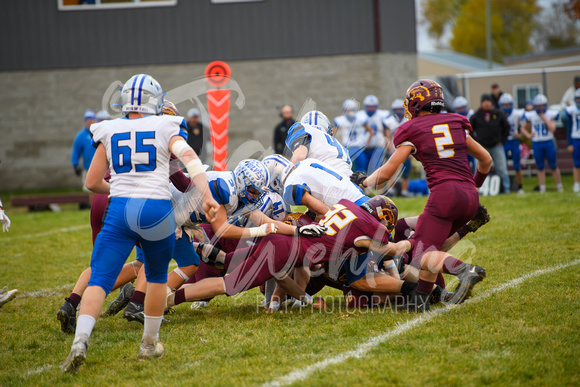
(512, 146)
(316, 141)
(356, 134)
(392, 123)
(137, 149)
(540, 125)
(573, 131)
(311, 183)
(375, 118)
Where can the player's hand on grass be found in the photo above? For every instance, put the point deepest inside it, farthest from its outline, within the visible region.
(314, 230)
(5, 221)
(358, 178)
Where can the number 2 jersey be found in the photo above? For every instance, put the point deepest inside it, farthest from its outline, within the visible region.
(439, 143)
(321, 146)
(138, 154)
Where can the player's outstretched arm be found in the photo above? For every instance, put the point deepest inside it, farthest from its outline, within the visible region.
(387, 170)
(223, 229)
(95, 176)
(301, 153)
(189, 158)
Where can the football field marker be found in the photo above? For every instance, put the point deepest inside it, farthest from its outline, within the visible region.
(46, 233)
(362, 349)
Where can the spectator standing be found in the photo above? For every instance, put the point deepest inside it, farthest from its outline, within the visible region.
(83, 147)
(568, 97)
(281, 130)
(491, 130)
(194, 130)
(496, 94)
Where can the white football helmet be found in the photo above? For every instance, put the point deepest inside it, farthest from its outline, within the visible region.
(252, 181)
(142, 94)
(506, 99)
(371, 100)
(540, 103)
(349, 108)
(318, 119)
(398, 108)
(279, 168)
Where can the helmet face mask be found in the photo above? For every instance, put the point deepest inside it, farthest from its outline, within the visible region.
(252, 181)
(142, 94)
(423, 95)
(540, 103)
(506, 103)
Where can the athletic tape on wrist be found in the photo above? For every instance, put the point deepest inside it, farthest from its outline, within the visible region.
(258, 231)
(194, 168)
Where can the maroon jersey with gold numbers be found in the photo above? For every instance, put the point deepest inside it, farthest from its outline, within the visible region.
(347, 223)
(439, 142)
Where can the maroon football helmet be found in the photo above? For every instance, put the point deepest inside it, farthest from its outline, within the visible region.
(169, 109)
(383, 209)
(423, 94)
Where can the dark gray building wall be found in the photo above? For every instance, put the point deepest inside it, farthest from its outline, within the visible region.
(34, 34)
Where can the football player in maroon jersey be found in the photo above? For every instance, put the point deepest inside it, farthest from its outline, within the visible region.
(441, 143)
(351, 230)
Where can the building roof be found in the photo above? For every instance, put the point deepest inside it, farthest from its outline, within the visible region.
(457, 60)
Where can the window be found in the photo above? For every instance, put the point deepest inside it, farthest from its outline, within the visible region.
(87, 5)
(523, 93)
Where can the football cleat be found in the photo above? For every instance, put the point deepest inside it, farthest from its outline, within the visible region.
(441, 295)
(122, 300)
(468, 275)
(7, 296)
(417, 302)
(77, 355)
(67, 315)
(150, 348)
(134, 312)
(480, 218)
(200, 305)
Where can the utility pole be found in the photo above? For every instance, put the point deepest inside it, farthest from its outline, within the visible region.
(488, 31)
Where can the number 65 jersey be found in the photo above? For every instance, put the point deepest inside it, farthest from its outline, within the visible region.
(138, 154)
(439, 143)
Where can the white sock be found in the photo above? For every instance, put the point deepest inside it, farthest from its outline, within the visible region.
(542, 188)
(559, 187)
(85, 325)
(152, 325)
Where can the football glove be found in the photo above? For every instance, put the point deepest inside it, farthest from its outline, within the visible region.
(480, 218)
(78, 170)
(314, 230)
(358, 178)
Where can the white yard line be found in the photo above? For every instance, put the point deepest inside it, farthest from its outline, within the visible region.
(46, 292)
(46, 233)
(362, 349)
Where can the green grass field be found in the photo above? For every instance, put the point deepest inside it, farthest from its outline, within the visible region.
(524, 333)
